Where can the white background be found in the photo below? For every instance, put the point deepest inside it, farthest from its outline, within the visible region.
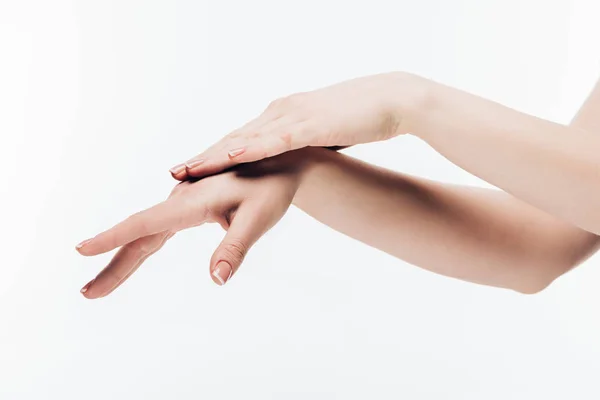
(99, 98)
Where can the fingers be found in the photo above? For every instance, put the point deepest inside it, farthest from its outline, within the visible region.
(127, 260)
(249, 145)
(248, 224)
(179, 171)
(170, 215)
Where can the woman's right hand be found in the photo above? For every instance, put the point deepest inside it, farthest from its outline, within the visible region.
(361, 110)
(246, 201)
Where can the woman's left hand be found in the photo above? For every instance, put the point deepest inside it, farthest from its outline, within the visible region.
(362, 110)
(246, 202)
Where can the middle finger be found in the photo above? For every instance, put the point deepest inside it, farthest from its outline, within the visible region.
(124, 263)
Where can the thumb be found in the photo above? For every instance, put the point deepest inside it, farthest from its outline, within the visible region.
(247, 226)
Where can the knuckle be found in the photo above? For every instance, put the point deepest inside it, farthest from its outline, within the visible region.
(139, 222)
(235, 250)
(239, 137)
(192, 212)
(291, 101)
(142, 248)
(202, 213)
(180, 187)
(286, 138)
(275, 103)
(112, 279)
(254, 135)
(235, 135)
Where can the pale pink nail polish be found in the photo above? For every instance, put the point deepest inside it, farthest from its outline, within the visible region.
(236, 152)
(193, 164)
(222, 272)
(80, 245)
(177, 169)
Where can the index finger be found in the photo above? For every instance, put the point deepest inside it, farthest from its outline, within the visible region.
(170, 215)
(273, 138)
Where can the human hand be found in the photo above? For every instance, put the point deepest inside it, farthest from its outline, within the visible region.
(246, 201)
(362, 110)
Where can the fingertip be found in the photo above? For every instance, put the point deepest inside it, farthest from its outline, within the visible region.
(216, 280)
(90, 250)
(221, 273)
(177, 168)
(247, 154)
(82, 244)
(82, 252)
(180, 176)
(204, 171)
(85, 291)
(96, 289)
(84, 248)
(195, 168)
(190, 173)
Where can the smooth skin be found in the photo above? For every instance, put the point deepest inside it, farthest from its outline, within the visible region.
(518, 240)
(555, 168)
(246, 202)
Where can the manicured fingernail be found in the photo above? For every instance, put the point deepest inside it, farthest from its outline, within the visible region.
(87, 286)
(222, 272)
(177, 169)
(193, 164)
(236, 152)
(80, 245)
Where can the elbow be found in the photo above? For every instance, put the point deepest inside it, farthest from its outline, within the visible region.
(536, 274)
(531, 287)
(540, 279)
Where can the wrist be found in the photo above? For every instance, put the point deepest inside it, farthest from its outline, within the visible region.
(292, 162)
(411, 99)
(301, 164)
(292, 166)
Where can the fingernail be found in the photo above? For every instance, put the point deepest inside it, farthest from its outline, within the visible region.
(222, 272)
(80, 245)
(87, 286)
(236, 152)
(177, 169)
(193, 164)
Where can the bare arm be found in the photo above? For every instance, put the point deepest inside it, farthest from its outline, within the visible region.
(483, 236)
(478, 235)
(553, 167)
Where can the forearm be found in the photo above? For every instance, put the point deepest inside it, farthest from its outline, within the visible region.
(473, 234)
(553, 167)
